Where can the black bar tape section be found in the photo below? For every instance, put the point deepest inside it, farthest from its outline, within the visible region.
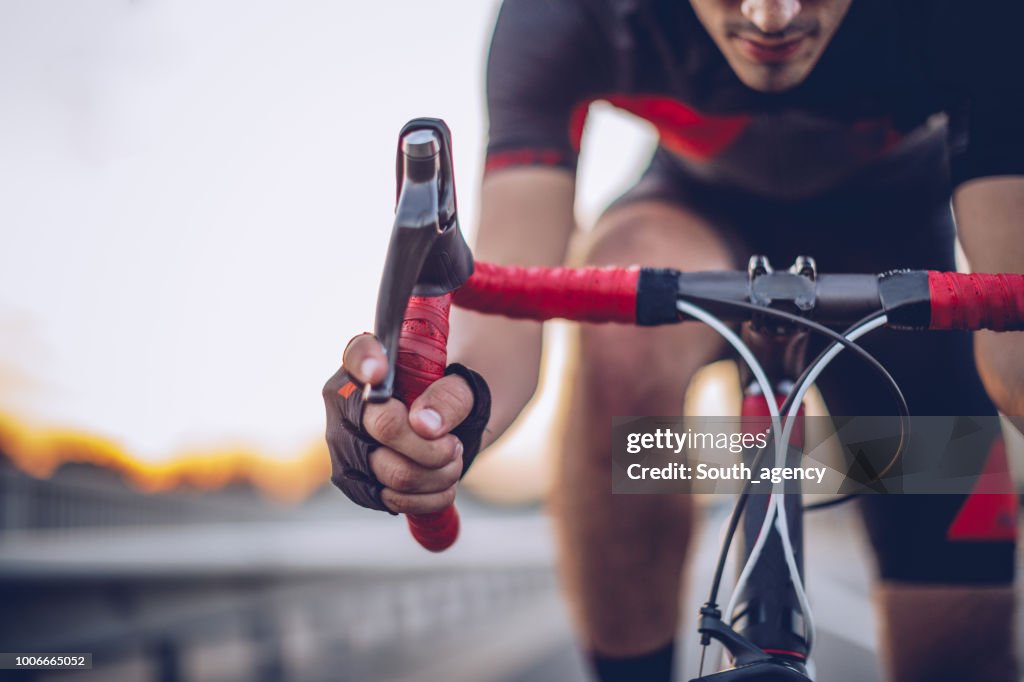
(656, 292)
(906, 298)
(844, 298)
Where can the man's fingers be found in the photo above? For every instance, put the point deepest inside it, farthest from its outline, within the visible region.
(442, 407)
(388, 424)
(404, 503)
(402, 475)
(365, 360)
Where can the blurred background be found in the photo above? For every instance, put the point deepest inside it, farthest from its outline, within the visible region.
(197, 199)
(196, 203)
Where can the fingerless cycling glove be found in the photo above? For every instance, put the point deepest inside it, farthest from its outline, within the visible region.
(350, 445)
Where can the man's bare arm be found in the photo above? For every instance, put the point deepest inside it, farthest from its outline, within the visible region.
(526, 218)
(990, 223)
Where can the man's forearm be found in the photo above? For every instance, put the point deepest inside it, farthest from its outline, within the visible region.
(526, 218)
(990, 223)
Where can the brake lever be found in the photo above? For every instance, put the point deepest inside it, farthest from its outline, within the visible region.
(427, 260)
(427, 255)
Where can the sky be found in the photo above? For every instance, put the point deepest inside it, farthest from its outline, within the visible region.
(196, 200)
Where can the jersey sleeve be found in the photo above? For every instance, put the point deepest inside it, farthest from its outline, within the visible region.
(978, 59)
(548, 60)
(987, 134)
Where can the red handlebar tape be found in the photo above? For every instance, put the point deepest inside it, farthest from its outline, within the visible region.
(647, 296)
(422, 346)
(976, 301)
(590, 294)
(422, 358)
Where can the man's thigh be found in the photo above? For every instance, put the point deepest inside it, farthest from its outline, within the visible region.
(913, 535)
(621, 556)
(921, 539)
(644, 370)
(938, 556)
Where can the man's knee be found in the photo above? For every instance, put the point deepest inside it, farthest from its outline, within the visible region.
(627, 368)
(657, 234)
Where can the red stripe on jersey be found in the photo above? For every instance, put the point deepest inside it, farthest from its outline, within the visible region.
(577, 119)
(682, 129)
(525, 157)
(990, 512)
(880, 129)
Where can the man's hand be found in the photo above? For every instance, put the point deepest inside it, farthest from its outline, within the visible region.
(395, 459)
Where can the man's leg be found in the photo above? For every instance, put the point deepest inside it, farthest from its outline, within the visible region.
(976, 644)
(622, 556)
(945, 596)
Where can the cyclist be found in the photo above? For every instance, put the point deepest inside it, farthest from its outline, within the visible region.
(834, 128)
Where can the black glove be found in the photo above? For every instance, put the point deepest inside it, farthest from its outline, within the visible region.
(350, 445)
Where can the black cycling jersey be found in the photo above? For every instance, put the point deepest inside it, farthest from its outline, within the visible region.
(872, 100)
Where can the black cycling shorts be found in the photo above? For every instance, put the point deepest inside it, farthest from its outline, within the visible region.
(874, 224)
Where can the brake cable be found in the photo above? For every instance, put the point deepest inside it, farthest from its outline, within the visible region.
(838, 339)
(741, 500)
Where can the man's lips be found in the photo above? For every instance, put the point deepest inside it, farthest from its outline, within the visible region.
(770, 51)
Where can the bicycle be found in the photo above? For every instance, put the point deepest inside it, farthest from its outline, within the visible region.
(429, 266)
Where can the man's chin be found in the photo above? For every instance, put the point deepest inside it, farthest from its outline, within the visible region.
(771, 77)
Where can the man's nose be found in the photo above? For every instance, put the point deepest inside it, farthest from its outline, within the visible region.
(771, 16)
